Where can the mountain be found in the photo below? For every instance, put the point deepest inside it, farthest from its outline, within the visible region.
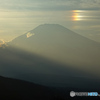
(19, 64)
(62, 45)
(54, 56)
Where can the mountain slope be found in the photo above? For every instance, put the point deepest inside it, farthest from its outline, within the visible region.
(17, 63)
(49, 55)
(62, 45)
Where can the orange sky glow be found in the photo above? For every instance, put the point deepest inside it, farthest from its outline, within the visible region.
(76, 15)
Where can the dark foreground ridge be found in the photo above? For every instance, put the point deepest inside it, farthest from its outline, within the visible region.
(22, 90)
(18, 89)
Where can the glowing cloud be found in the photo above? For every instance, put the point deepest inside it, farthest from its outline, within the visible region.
(76, 15)
(29, 34)
(2, 42)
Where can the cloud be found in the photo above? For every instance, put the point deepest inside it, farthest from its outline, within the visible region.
(2, 41)
(90, 4)
(19, 16)
(23, 5)
(29, 34)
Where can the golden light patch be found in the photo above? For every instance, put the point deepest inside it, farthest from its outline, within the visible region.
(29, 34)
(76, 15)
(2, 42)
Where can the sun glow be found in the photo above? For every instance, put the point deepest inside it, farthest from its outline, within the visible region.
(76, 15)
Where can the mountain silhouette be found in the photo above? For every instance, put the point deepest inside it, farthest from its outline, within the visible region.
(18, 89)
(15, 89)
(62, 45)
(52, 55)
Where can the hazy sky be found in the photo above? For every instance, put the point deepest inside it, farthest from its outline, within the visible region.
(19, 16)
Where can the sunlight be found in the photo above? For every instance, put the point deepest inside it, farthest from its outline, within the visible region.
(29, 34)
(76, 15)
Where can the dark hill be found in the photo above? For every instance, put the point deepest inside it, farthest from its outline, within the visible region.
(14, 89)
(18, 89)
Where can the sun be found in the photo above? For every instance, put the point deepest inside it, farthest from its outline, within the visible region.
(76, 15)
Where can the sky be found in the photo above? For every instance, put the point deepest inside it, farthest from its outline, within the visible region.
(20, 16)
